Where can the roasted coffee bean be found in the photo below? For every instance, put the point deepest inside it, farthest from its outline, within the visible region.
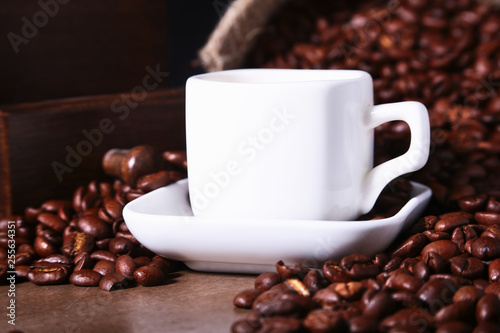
(488, 308)
(298, 286)
(445, 248)
(47, 273)
(411, 247)
(454, 312)
(125, 266)
(43, 247)
(113, 208)
(103, 255)
(469, 294)
(282, 303)
(53, 205)
(450, 221)
(436, 293)
(334, 272)
(95, 227)
(245, 326)
(85, 278)
(493, 232)
(363, 324)
(82, 261)
(22, 271)
(120, 245)
(76, 243)
(113, 281)
(429, 222)
(328, 298)
(403, 280)
(149, 276)
(324, 320)
(451, 278)
(52, 221)
(469, 268)
(267, 280)
(350, 291)
(487, 218)
(25, 255)
(314, 281)
(433, 236)
(486, 248)
(407, 299)
(153, 181)
(473, 204)
(245, 298)
(281, 324)
(141, 261)
(104, 267)
(494, 271)
(454, 327)
(57, 258)
(409, 319)
(359, 267)
(487, 327)
(393, 264)
(378, 305)
(421, 271)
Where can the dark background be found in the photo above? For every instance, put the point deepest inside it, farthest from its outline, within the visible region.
(100, 47)
(190, 23)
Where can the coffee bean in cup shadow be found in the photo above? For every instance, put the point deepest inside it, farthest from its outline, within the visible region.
(148, 276)
(114, 281)
(85, 278)
(120, 246)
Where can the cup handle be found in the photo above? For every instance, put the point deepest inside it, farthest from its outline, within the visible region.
(416, 116)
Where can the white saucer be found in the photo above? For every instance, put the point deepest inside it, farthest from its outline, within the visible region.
(162, 221)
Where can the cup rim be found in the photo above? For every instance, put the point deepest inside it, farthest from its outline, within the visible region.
(274, 76)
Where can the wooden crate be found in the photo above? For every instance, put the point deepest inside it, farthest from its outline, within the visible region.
(48, 149)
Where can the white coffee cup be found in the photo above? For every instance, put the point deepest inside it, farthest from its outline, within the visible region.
(291, 144)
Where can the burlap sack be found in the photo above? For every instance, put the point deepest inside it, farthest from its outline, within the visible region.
(236, 33)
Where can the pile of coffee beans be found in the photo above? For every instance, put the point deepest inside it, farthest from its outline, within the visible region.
(443, 274)
(84, 241)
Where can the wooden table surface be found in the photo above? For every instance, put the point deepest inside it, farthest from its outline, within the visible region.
(191, 302)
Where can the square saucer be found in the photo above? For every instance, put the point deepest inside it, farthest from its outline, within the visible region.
(162, 220)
